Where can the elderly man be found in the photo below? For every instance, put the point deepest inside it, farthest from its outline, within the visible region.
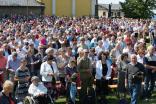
(134, 75)
(85, 69)
(12, 65)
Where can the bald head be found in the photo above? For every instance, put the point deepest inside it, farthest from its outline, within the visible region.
(133, 58)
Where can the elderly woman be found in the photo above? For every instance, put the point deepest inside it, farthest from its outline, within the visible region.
(103, 73)
(49, 73)
(5, 95)
(38, 90)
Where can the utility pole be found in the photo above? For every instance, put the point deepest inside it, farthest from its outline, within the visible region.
(96, 9)
(27, 11)
(110, 11)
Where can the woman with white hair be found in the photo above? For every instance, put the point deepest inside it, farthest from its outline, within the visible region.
(38, 91)
(5, 95)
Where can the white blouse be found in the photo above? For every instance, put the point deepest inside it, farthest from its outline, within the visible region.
(99, 69)
(46, 69)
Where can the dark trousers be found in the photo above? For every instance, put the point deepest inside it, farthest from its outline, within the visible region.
(101, 87)
(68, 91)
(86, 82)
(149, 83)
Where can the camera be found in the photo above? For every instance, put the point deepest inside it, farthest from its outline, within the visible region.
(137, 76)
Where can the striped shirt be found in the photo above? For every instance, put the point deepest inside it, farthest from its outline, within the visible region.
(22, 88)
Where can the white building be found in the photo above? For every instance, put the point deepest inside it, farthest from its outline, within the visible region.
(103, 10)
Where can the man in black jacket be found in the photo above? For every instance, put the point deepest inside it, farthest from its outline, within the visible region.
(134, 77)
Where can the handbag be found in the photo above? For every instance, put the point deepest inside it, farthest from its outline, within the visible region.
(53, 78)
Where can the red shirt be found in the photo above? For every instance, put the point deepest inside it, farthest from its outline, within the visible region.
(3, 62)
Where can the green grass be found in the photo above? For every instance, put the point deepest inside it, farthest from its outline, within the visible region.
(112, 99)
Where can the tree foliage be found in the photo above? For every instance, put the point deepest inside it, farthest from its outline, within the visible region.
(138, 8)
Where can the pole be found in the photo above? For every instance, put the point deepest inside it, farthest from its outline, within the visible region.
(110, 11)
(96, 9)
(27, 10)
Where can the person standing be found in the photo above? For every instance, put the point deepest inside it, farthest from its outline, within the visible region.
(49, 73)
(84, 68)
(149, 62)
(103, 72)
(122, 65)
(13, 64)
(70, 69)
(134, 73)
(3, 63)
(22, 76)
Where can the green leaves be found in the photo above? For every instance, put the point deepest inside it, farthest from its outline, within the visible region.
(138, 8)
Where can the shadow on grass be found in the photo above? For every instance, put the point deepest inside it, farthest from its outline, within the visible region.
(112, 99)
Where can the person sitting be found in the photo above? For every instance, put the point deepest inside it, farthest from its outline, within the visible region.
(5, 95)
(38, 91)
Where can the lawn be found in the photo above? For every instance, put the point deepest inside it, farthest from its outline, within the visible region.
(112, 99)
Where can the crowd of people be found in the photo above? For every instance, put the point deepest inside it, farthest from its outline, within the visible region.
(77, 51)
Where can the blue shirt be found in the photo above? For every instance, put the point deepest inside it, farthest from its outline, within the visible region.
(73, 92)
(13, 64)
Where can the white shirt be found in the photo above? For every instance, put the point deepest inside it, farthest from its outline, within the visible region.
(46, 69)
(98, 74)
(140, 59)
(98, 50)
(36, 90)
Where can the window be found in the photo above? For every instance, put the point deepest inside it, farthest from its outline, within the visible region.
(119, 14)
(112, 13)
(104, 13)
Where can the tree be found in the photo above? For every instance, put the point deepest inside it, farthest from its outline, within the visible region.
(138, 8)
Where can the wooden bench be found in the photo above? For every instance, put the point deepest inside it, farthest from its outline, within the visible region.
(115, 86)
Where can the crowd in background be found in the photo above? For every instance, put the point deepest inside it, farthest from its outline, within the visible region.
(55, 48)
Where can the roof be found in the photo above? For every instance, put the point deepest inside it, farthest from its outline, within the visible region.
(113, 7)
(20, 3)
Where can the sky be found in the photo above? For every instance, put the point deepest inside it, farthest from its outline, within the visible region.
(110, 1)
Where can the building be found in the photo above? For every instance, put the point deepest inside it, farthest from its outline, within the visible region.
(154, 18)
(103, 10)
(69, 7)
(22, 7)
